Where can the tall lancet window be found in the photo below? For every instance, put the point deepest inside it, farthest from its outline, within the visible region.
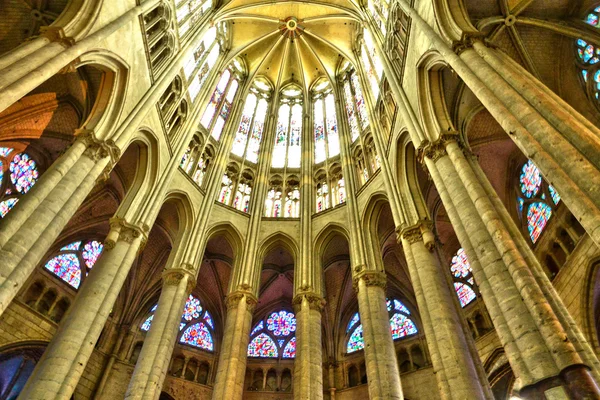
(371, 63)
(366, 159)
(287, 150)
(588, 58)
(189, 12)
(327, 142)
(221, 101)
(536, 200)
(252, 124)
(379, 10)
(197, 68)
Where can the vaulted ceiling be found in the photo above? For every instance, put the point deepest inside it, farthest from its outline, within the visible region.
(291, 41)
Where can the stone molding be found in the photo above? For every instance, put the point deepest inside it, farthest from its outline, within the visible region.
(233, 300)
(315, 301)
(436, 149)
(371, 278)
(56, 34)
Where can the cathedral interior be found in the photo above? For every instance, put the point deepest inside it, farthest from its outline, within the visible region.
(299, 199)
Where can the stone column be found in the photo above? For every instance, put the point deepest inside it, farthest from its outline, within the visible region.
(33, 225)
(456, 363)
(58, 371)
(538, 346)
(229, 383)
(151, 368)
(380, 356)
(308, 371)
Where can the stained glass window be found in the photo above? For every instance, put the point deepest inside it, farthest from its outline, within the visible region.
(379, 12)
(201, 62)
(189, 12)
(250, 131)
(273, 208)
(22, 174)
(226, 189)
(538, 215)
(287, 147)
(72, 258)
(325, 129)
(535, 201)
(242, 197)
(463, 278)
(292, 203)
(274, 336)
(401, 325)
(352, 119)
(262, 346)
(588, 55)
(196, 327)
(215, 99)
(290, 349)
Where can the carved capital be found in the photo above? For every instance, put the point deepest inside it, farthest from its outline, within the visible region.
(173, 277)
(466, 41)
(97, 149)
(315, 301)
(420, 232)
(120, 229)
(371, 278)
(437, 149)
(56, 34)
(233, 300)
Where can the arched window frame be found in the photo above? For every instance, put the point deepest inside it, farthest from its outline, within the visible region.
(541, 200)
(197, 159)
(250, 132)
(396, 311)
(284, 341)
(218, 110)
(462, 276)
(73, 260)
(325, 126)
(274, 200)
(292, 97)
(18, 174)
(330, 188)
(243, 194)
(587, 56)
(193, 313)
(292, 198)
(199, 65)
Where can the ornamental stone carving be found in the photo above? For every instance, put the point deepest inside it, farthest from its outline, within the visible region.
(97, 149)
(120, 229)
(370, 278)
(315, 301)
(173, 277)
(233, 300)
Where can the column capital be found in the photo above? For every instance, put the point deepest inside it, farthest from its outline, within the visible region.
(120, 229)
(466, 41)
(371, 278)
(315, 301)
(56, 34)
(419, 232)
(173, 276)
(233, 299)
(436, 149)
(97, 149)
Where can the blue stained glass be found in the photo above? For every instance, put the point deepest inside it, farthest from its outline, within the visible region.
(23, 172)
(192, 309)
(281, 342)
(262, 346)
(538, 215)
(5, 151)
(401, 326)
(208, 319)
(281, 323)
(398, 306)
(460, 264)
(91, 252)
(465, 294)
(356, 341)
(66, 267)
(259, 327)
(290, 349)
(530, 179)
(554, 194)
(353, 321)
(520, 203)
(72, 246)
(154, 308)
(198, 335)
(146, 325)
(181, 326)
